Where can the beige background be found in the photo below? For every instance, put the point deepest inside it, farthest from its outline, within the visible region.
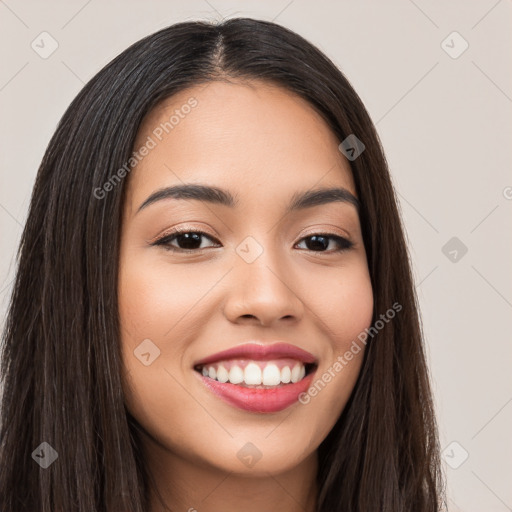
(446, 127)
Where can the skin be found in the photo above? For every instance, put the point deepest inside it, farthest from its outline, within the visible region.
(263, 144)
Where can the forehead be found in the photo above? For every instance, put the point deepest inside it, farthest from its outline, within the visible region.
(254, 138)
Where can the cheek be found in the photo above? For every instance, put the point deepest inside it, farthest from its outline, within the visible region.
(346, 311)
(161, 301)
(343, 301)
(156, 308)
(159, 308)
(354, 310)
(152, 302)
(355, 313)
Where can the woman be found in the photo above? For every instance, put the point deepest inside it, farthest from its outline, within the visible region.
(214, 307)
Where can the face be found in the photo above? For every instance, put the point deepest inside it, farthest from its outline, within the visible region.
(284, 290)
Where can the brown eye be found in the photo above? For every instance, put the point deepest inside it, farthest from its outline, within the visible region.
(185, 240)
(320, 242)
(192, 241)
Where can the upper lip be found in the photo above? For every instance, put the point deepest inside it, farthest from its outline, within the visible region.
(263, 352)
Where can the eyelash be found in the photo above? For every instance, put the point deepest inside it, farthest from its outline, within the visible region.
(165, 240)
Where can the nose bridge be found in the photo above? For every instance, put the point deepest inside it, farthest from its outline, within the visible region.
(259, 259)
(262, 283)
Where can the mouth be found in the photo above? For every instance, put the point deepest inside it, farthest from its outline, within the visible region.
(258, 378)
(255, 374)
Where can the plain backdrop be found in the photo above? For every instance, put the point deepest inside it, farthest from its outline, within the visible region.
(437, 81)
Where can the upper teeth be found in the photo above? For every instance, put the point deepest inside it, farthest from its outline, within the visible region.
(255, 373)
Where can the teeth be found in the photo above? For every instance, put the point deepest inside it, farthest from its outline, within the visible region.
(271, 375)
(286, 375)
(236, 375)
(222, 374)
(252, 374)
(255, 373)
(295, 377)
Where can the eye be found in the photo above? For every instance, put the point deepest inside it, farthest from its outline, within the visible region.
(190, 241)
(186, 240)
(318, 242)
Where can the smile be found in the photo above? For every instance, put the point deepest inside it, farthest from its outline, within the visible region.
(256, 373)
(258, 378)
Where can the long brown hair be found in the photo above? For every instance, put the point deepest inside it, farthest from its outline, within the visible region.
(61, 363)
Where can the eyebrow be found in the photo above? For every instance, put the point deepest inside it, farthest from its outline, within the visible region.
(215, 195)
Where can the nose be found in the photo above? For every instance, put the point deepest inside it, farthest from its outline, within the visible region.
(262, 293)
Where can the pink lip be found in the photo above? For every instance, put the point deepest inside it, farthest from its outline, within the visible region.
(259, 352)
(253, 399)
(258, 400)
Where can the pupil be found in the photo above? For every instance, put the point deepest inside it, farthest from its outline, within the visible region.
(316, 244)
(190, 240)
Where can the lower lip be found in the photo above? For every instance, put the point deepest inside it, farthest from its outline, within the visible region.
(258, 400)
